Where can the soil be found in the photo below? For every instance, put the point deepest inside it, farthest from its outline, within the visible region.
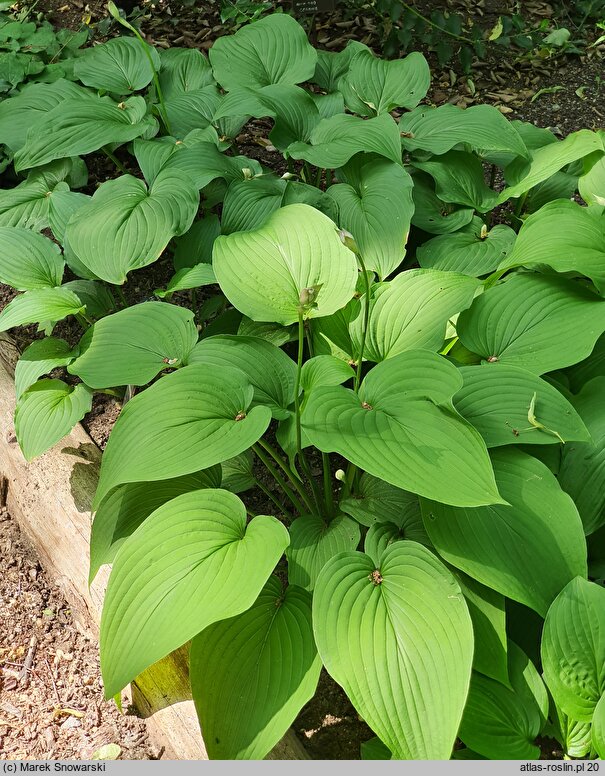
(57, 711)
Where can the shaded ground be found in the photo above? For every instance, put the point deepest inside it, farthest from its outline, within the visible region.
(65, 672)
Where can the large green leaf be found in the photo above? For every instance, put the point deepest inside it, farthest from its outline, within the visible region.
(528, 549)
(313, 542)
(335, 140)
(118, 65)
(486, 608)
(375, 204)
(271, 372)
(183, 70)
(598, 728)
(402, 428)
(431, 214)
(550, 158)
(274, 50)
(412, 311)
(126, 226)
(192, 110)
(28, 260)
(40, 358)
(573, 648)
(79, 126)
(187, 278)
(473, 250)
(252, 674)
(582, 470)
(398, 637)
(39, 306)
(331, 65)
(46, 412)
(376, 501)
(133, 345)
(459, 178)
(565, 237)
(195, 246)
(438, 130)
(591, 184)
(163, 591)
(533, 321)
(296, 252)
(324, 370)
(126, 507)
(381, 535)
(497, 723)
(62, 204)
(372, 85)
(507, 404)
(187, 421)
(249, 203)
(26, 109)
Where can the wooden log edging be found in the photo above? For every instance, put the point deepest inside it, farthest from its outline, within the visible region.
(50, 498)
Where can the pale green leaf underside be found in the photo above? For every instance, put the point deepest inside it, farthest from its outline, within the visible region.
(162, 591)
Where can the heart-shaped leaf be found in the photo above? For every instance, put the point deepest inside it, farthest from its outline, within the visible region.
(335, 140)
(377, 501)
(78, 126)
(507, 404)
(39, 306)
(573, 648)
(313, 542)
(582, 470)
(28, 260)
(270, 646)
(40, 358)
(394, 634)
(537, 322)
(126, 507)
(118, 65)
(459, 178)
(527, 549)
(161, 592)
(412, 311)
(375, 204)
(133, 345)
(394, 429)
(565, 237)
(382, 535)
(273, 50)
(126, 226)
(183, 70)
(324, 370)
(197, 410)
(269, 369)
(497, 724)
(438, 130)
(373, 85)
(46, 412)
(474, 250)
(295, 261)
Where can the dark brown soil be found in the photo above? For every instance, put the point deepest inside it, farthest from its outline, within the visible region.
(54, 710)
(65, 667)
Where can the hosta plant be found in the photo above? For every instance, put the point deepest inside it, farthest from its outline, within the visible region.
(406, 363)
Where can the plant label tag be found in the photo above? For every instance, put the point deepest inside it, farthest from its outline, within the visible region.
(302, 7)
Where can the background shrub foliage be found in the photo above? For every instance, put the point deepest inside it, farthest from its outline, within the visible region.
(447, 568)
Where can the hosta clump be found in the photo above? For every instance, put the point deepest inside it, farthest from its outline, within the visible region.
(362, 316)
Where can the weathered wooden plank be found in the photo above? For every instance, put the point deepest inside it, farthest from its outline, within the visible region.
(51, 498)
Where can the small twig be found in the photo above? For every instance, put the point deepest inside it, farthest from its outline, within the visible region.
(52, 679)
(3, 491)
(28, 662)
